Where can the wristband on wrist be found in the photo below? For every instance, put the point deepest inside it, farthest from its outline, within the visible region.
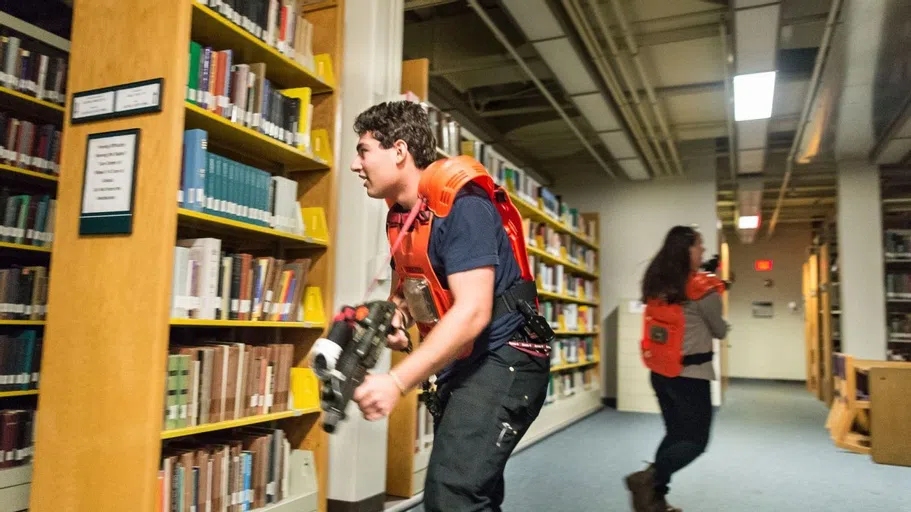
(398, 382)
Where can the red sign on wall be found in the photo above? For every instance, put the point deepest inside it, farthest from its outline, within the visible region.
(763, 265)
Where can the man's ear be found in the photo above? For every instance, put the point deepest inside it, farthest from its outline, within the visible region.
(401, 151)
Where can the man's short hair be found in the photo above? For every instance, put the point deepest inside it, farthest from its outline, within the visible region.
(405, 120)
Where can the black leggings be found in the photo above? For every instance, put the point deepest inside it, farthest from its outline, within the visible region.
(686, 405)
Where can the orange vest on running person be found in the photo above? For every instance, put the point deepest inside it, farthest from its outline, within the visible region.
(428, 300)
(664, 326)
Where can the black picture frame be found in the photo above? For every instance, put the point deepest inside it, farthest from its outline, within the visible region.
(109, 223)
(115, 114)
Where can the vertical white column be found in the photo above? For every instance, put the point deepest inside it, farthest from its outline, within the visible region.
(371, 74)
(860, 261)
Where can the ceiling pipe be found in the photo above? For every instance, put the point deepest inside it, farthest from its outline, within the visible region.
(610, 82)
(515, 55)
(805, 113)
(634, 92)
(649, 90)
(732, 161)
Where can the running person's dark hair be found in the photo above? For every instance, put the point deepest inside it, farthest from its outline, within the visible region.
(668, 272)
(400, 120)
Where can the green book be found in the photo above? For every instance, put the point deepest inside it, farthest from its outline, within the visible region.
(183, 391)
(193, 74)
(171, 403)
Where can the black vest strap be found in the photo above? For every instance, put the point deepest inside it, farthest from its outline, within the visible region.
(694, 359)
(506, 303)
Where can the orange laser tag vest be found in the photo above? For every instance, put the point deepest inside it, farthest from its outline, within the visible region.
(428, 300)
(664, 324)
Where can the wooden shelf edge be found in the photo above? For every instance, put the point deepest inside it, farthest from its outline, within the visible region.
(29, 173)
(564, 367)
(22, 322)
(245, 226)
(311, 161)
(573, 267)
(560, 226)
(218, 18)
(194, 322)
(242, 422)
(31, 99)
(23, 247)
(27, 392)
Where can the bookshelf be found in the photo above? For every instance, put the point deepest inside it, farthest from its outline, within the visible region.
(113, 296)
(896, 215)
(31, 115)
(569, 298)
(822, 313)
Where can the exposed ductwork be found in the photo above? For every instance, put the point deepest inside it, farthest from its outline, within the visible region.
(549, 51)
(545, 33)
(808, 101)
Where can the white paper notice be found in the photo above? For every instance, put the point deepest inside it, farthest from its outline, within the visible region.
(109, 174)
(93, 105)
(137, 97)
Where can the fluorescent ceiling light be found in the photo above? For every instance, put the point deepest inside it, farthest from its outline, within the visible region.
(748, 222)
(535, 18)
(753, 95)
(565, 63)
(618, 144)
(634, 168)
(597, 111)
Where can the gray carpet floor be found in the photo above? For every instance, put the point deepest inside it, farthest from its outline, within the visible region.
(769, 452)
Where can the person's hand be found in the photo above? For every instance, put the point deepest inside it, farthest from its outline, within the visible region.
(398, 340)
(377, 396)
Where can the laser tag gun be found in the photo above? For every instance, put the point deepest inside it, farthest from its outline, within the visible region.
(341, 359)
(710, 267)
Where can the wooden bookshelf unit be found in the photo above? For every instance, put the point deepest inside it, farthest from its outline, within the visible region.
(101, 434)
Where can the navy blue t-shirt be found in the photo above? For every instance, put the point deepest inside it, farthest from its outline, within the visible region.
(470, 237)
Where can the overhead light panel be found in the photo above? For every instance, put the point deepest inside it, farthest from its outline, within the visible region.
(753, 96)
(536, 19)
(618, 144)
(635, 169)
(597, 111)
(565, 63)
(748, 222)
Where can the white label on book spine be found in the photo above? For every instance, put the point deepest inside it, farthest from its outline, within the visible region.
(269, 398)
(172, 412)
(245, 306)
(254, 400)
(235, 305)
(141, 96)
(183, 412)
(35, 377)
(93, 105)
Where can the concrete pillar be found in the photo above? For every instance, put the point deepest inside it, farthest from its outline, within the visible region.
(860, 261)
(371, 74)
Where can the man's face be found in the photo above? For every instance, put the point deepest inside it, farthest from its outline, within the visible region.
(377, 166)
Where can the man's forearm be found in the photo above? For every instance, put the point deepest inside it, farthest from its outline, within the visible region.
(452, 335)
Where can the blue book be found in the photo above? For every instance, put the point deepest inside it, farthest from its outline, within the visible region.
(195, 163)
(248, 481)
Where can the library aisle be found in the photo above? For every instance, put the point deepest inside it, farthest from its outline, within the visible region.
(767, 453)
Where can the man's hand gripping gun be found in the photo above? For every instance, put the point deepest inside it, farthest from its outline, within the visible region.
(352, 347)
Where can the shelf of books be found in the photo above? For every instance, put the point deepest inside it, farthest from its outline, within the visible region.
(827, 300)
(896, 215)
(563, 254)
(32, 87)
(203, 310)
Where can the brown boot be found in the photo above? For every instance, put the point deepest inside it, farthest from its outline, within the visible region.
(642, 486)
(661, 505)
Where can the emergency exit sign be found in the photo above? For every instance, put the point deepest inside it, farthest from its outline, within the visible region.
(763, 265)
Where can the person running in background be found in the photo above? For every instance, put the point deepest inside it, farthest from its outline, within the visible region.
(682, 317)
